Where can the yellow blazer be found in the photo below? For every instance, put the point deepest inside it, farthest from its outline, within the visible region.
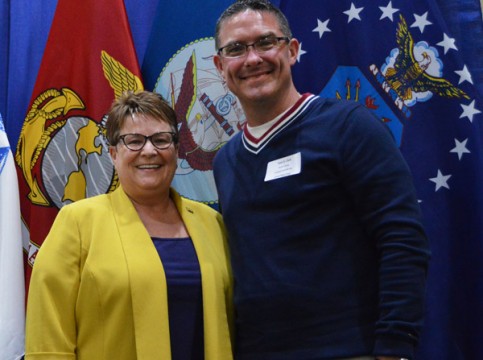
(98, 287)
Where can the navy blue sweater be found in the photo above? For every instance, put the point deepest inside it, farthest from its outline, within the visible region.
(330, 262)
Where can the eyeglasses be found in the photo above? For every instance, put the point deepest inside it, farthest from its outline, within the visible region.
(236, 50)
(161, 140)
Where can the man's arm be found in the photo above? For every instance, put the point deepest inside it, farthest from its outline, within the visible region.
(380, 185)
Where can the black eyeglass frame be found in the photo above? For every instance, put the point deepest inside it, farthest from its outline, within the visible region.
(254, 45)
(174, 140)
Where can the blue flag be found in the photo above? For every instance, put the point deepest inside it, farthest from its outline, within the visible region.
(402, 61)
(178, 64)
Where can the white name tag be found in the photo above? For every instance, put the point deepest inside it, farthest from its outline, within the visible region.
(286, 166)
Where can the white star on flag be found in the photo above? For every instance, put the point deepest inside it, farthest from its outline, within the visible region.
(353, 13)
(460, 148)
(464, 75)
(469, 111)
(322, 27)
(421, 21)
(388, 11)
(301, 52)
(440, 180)
(447, 43)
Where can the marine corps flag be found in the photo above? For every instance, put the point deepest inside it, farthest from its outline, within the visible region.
(402, 60)
(61, 154)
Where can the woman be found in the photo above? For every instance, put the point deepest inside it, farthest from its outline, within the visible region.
(139, 273)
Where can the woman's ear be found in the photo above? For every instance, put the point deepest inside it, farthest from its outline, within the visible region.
(113, 152)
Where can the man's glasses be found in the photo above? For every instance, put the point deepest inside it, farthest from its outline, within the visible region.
(161, 140)
(236, 50)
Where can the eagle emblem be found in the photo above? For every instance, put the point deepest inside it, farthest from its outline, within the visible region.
(410, 75)
(119, 77)
(46, 124)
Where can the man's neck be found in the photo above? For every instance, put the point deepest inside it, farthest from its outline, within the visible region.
(258, 113)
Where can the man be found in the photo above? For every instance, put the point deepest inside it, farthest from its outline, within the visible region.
(328, 251)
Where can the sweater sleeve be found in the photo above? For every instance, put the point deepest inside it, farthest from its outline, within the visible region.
(50, 321)
(381, 187)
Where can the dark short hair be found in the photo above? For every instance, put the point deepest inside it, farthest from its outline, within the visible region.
(255, 5)
(141, 102)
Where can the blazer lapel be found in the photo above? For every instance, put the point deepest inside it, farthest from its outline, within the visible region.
(147, 280)
(216, 328)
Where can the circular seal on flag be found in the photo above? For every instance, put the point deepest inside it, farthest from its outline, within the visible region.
(208, 116)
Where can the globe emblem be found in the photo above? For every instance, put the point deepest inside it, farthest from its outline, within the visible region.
(76, 163)
(208, 116)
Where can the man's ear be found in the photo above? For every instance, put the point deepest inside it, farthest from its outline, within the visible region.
(219, 65)
(293, 49)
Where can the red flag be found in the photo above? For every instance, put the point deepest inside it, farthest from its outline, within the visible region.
(62, 155)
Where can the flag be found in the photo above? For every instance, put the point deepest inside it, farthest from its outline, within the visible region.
(401, 60)
(24, 29)
(12, 291)
(178, 64)
(61, 154)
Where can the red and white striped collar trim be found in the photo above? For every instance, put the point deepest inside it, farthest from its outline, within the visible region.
(282, 119)
(252, 142)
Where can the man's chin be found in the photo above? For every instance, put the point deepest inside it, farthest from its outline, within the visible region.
(258, 93)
